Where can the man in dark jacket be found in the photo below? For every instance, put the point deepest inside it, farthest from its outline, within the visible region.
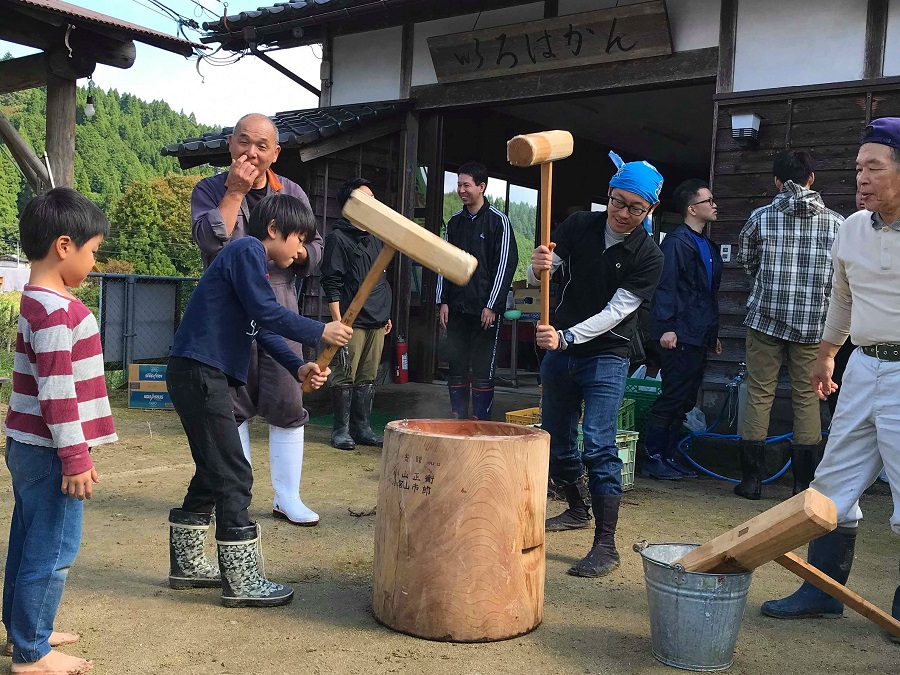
(685, 319)
(220, 210)
(472, 314)
(613, 267)
(349, 255)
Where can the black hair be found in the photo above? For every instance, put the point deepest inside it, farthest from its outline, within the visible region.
(347, 188)
(686, 194)
(57, 213)
(290, 216)
(795, 165)
(477, 170)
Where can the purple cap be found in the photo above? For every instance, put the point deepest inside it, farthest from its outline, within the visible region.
(884, 130)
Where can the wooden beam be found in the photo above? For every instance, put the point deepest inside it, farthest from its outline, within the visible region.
(349, 139)
(409, 166)
(828, 585)
(406, 60)
(876, 34)
(326, 82)
(792, 523)
(23, 29)
(682, 67)
(31, 166)
(728, 17)
(29, 72)
(61, 129)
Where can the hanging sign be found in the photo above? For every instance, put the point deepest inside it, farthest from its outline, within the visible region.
(604, 36)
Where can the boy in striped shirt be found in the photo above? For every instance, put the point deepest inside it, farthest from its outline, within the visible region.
(58, 411)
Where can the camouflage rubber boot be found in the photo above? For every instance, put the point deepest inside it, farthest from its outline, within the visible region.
(188, 565)
(243, 585)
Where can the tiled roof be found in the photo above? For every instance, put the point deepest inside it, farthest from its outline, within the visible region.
(80, 15)
(287, 11)
(296, 128)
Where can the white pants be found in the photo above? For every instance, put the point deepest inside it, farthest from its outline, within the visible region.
(864, 438)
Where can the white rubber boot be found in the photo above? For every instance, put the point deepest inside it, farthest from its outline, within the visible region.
(286, 463)
(244, 431)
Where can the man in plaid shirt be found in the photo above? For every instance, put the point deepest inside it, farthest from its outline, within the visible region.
(786, 247)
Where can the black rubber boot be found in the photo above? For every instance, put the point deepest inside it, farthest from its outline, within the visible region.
(671, 455)
(603, 557)
(832, 553)
(804, 460)
(482, 401)
(243, 583)
(459, 398)
(341, 398)
(895, 612)
(188, 565)
(656, 439)
(360, 414)
(753, 462)
(578, 515)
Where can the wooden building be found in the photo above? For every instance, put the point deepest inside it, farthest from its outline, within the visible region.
(662, 80)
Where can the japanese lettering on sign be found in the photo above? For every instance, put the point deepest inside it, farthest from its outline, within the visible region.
(617, 34)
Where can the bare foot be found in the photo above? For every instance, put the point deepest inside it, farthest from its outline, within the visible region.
(54, 663)
(57, 639)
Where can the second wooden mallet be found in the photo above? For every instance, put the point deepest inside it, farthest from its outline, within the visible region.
(542, 148)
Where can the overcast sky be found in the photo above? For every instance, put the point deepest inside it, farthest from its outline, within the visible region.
(217, 95)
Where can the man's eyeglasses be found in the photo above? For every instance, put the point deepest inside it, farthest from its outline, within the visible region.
(632, 209)
(709, 201)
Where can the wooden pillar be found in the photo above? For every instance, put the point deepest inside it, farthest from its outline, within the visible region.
(61, 129)
(409, 166)
(727, 39)
(876, 34)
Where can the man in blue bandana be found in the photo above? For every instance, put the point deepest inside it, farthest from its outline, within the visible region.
(612, 267)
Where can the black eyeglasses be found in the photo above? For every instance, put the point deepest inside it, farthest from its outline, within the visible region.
(709, 201)
(633, 210)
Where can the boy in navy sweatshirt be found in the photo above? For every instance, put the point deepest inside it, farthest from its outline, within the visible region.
(232, 306)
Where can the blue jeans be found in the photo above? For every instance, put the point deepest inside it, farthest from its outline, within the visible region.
(44, 538)
(598, 381)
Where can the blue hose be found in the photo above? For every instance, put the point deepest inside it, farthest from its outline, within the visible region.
(730, 437)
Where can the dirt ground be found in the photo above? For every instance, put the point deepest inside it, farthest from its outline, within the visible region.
(132, 623)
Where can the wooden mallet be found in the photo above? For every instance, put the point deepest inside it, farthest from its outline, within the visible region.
(542, 148)
(398, 234)
(772, 535)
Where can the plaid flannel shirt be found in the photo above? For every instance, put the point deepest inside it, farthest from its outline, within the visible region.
(786, 247)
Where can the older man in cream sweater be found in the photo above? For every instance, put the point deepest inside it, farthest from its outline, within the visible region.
(865, 306)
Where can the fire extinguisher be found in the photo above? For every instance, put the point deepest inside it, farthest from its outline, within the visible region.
(401, 376)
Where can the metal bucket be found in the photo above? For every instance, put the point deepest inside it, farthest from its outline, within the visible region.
(694, 617)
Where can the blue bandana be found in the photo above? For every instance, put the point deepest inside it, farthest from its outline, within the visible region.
(640, 178)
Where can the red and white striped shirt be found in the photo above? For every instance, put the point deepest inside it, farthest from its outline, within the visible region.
(59, 389)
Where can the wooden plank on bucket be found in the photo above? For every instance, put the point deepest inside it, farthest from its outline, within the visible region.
(825, 583)
(784, 527)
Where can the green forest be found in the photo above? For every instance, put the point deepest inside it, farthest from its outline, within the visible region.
(118, 166)
(522, 218)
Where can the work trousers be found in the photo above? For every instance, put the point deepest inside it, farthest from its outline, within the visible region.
(472, 348)
(864, 437)
(598, 382)
(682, 374)
(363, 358)
(223, 478)
(764, 357)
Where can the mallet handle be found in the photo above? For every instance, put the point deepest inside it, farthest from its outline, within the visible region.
(825, 583)
(546, 188)
(365, 288)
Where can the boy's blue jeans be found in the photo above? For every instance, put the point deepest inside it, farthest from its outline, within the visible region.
(44, 538)
(599, 381)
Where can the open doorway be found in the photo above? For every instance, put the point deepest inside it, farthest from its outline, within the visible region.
(670, 127)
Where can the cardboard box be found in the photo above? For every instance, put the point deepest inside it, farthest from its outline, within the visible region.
(147, 386)
(149, 399)
(141, 372)
(528, 300)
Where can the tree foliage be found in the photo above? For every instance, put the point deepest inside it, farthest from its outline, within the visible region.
(117, 155)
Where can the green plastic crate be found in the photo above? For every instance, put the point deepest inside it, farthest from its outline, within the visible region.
(626, 442)
(644, 393)
(625, 419)
(530, 416)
